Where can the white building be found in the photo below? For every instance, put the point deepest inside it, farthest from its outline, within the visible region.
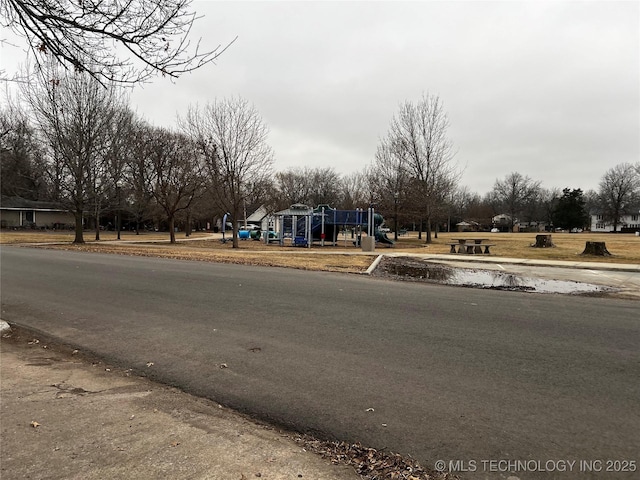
(598, 224)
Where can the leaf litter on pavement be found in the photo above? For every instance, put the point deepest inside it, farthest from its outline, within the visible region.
(370, 463)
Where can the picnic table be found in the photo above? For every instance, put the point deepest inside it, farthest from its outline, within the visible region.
(470, 246)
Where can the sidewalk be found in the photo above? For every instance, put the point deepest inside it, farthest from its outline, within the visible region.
(66, 417)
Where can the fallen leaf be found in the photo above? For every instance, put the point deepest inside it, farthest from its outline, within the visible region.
(35, 424)
(175, 444)
(370, 410)
(224, 365)
(149, 364)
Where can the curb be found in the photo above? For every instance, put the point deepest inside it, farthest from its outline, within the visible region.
(374, 265)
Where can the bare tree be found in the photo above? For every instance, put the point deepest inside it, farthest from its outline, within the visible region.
(291, 186)
(390, 177)
(323, 186)
(22, 169)
(124, 42)
(353, 191)
(419, 131)
(478, 210)
(619, 193)
(311, 186)
(177, 173)
(548, 203)
(138, 174)
(232, 137)
(460, 204)
(74, 112)
(515, 194)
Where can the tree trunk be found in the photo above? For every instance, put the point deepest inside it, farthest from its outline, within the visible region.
(97, 225)
(596, 248)
(79, 233)
(234, 231)
(543, 241)
(172, 229)
(187, 228)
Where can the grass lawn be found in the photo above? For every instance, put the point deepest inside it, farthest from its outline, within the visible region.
(625, 248)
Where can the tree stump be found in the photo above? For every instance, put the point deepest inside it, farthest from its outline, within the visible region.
(543, 241)
(596, 248)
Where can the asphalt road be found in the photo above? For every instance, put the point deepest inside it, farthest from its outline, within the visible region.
(451, 373)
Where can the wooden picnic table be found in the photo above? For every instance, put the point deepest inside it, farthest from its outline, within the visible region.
(470, 246)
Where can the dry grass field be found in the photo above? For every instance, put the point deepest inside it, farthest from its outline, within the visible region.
(625, 248)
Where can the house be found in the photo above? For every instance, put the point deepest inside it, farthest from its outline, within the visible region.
(503, 223)
(18, 212)
(628, 223)
(259, 217)
(469, 226)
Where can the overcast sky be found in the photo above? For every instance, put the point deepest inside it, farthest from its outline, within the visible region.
(547, 89)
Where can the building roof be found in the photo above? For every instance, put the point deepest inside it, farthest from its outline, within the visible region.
(296, 209)
(19, 203)
(258, 215)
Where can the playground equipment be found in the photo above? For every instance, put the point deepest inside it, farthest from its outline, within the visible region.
(324, 224)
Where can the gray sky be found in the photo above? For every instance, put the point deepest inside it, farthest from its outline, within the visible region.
(548, 89)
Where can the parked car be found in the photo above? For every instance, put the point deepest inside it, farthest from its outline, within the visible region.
(249, 226)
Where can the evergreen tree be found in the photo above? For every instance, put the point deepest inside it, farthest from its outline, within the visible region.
(570, 212)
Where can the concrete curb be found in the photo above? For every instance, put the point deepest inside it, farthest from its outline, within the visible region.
(374, 265)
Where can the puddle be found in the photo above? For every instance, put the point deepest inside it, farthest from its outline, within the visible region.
(415, 270)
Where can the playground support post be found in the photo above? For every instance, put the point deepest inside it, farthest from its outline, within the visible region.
(395, 215)
(370, 225)
(322, 228)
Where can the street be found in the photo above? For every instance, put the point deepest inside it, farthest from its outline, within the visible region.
(436, 372)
